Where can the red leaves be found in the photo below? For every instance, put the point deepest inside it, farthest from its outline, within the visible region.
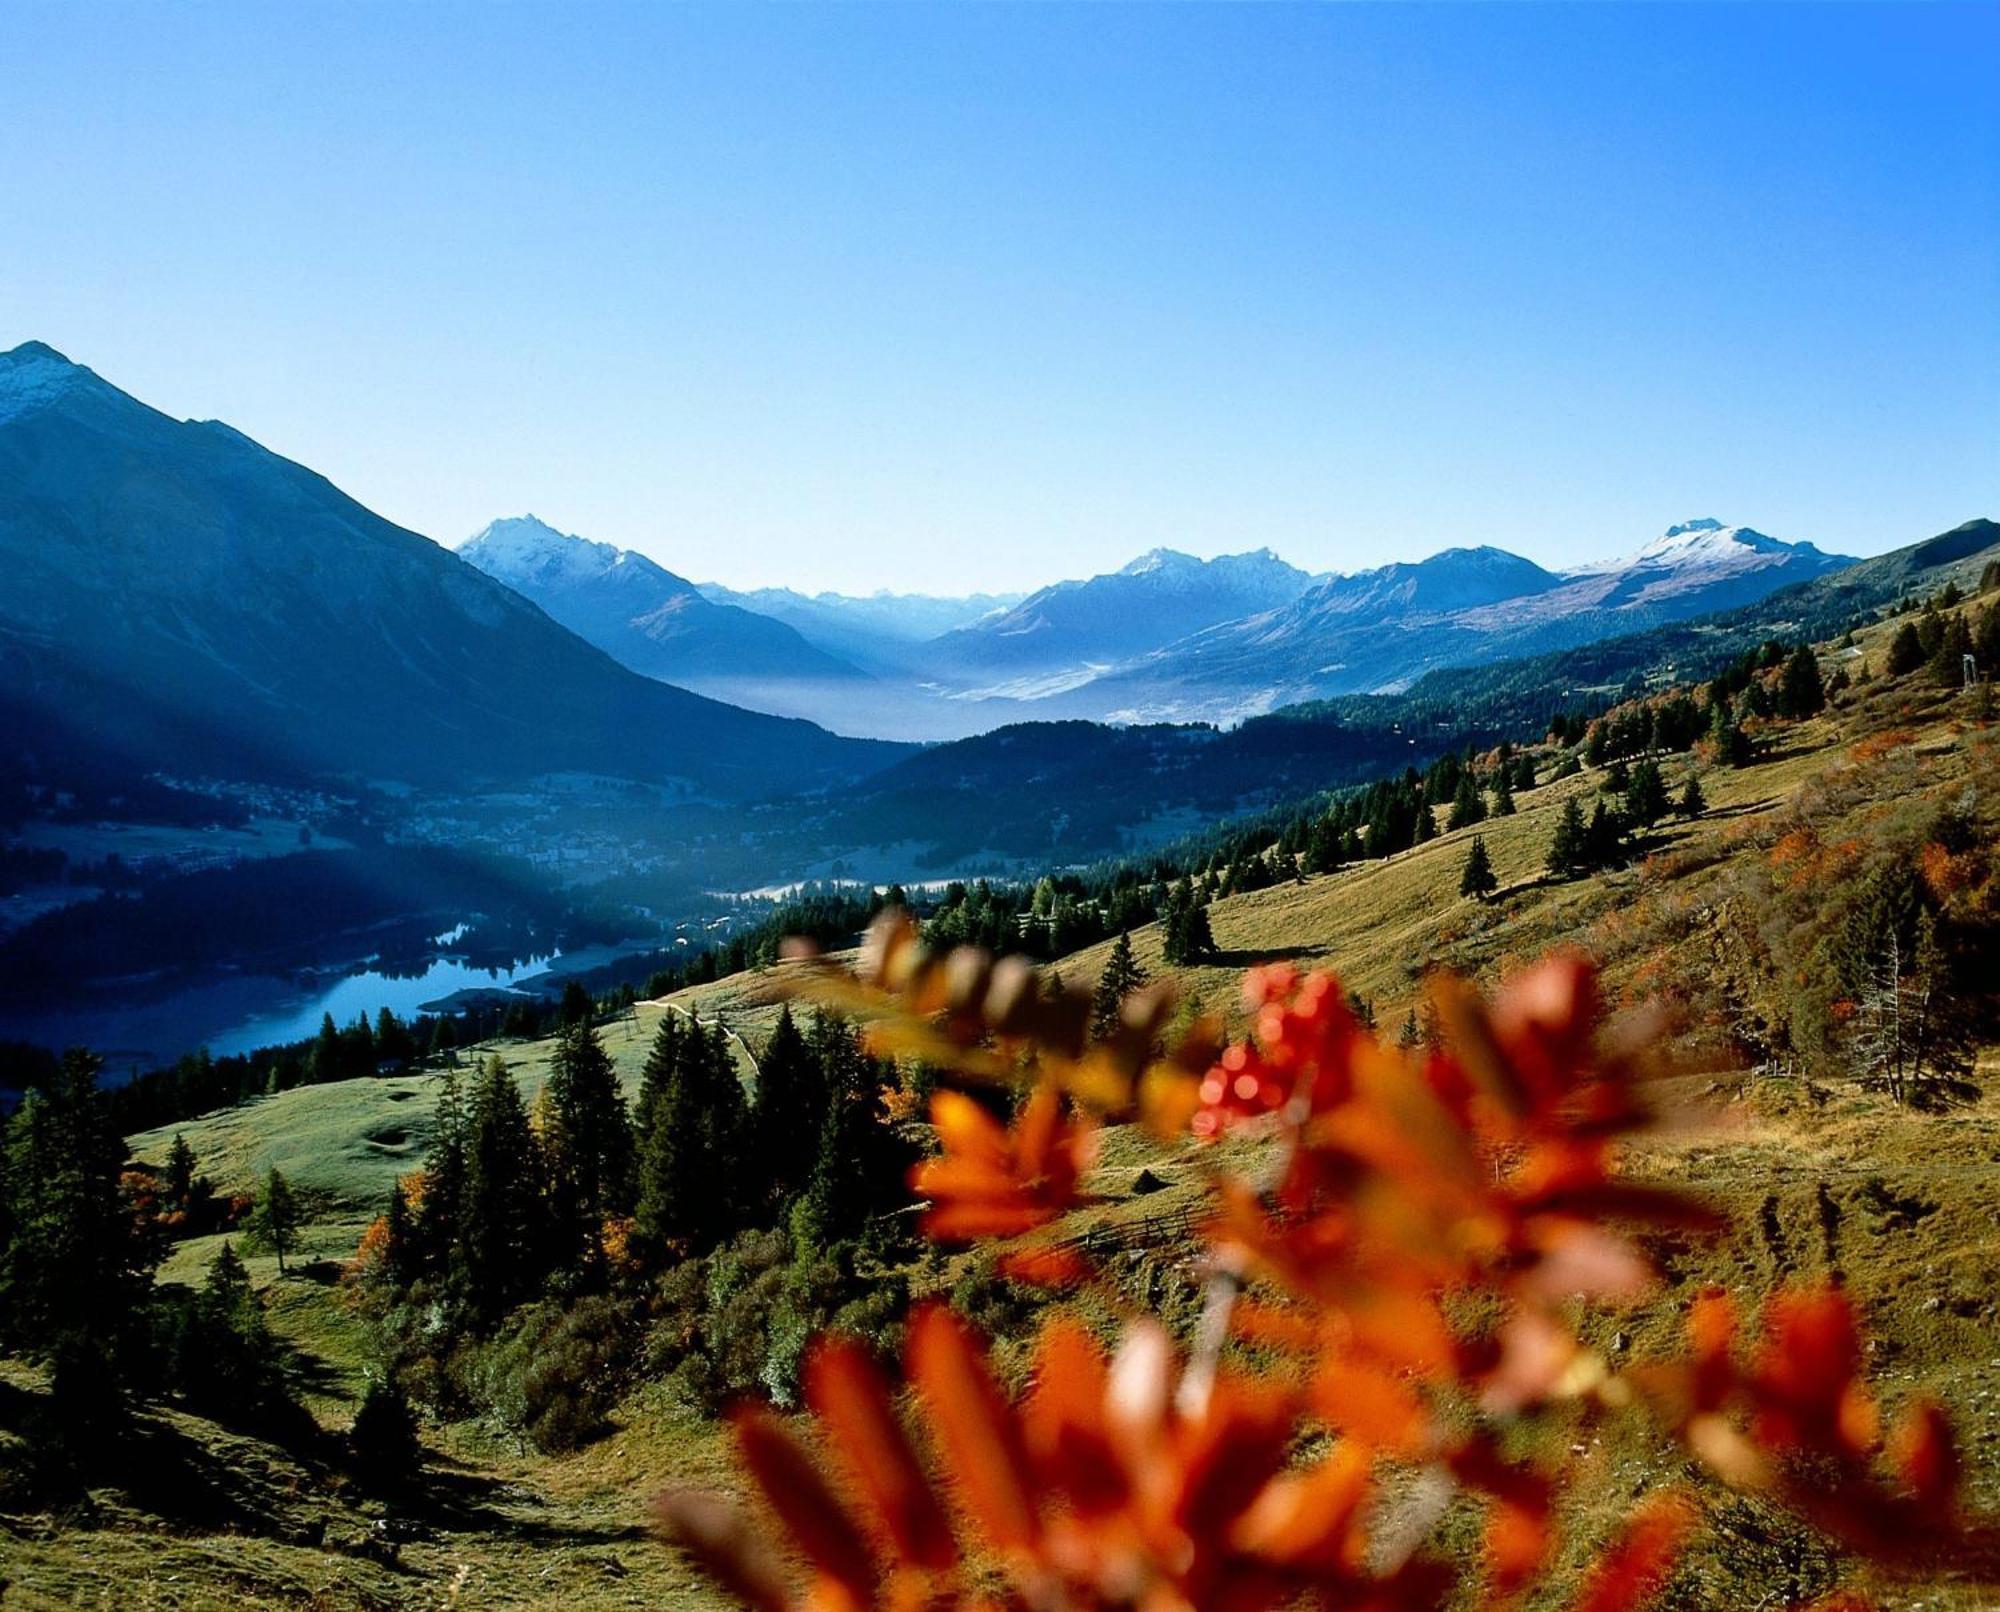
(1636, 1566)
(989, 1181)
(1408, 1258)
(851, 1399)
(976, 1431)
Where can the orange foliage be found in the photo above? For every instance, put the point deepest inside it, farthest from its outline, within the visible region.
(1397, 1183)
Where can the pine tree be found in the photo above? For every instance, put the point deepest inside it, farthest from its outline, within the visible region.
(1503, 794)
(860, 1167)
(1906, 651)
(178, 1178)
(1478, 879)
(587, 1145)
(1566, 848)
(1646, 795)
(1121, 977)
(1468, 806)
(74, 1269)
(498, 1253)
(438, 1215)
(274, 1223)
(1801, 693)
(1604, 840)
(324, 1063)
(1947, 665)
(786, 1117)
(1692, 802)
(693, 1160)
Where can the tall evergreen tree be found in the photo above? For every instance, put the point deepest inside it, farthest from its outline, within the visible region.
(74, 1270)
(789, 1110)
(1646, 795)
(1478, 880)
(274, 1223)
(498, 1251)
(692, 1160)
(861, 1166)
(1800, 692)
(1566, 847)
(1468, 806)
(1692, 802)
(1906, 650)
(587, 1145)
(1503, 794)
(439, 1212)
(1121, 977)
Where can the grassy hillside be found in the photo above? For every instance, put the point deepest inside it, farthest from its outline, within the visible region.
(1816, 1176)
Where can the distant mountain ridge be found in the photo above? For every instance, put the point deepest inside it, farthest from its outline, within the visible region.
(1378, 631)
(878, 632)
(639, 612)
(180, 597)
(1070, 629)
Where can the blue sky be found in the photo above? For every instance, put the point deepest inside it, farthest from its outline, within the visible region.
(955, 297)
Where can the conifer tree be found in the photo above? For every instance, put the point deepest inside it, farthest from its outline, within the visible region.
(1566, 848)
(587, 1145)
(692, 1159)
(1603, 841)
(1692, 802)
(437, 1216)
(789, 1110)
(1121, 977)
(1906, 651)
(74, 1269)
(1503, 794)
(274, 1223)
(1468, 806)
(178, 1177)
(1646, 795)
(1800, 692)
(1478, 879)
(860, 1167)
(1947, 664)
(497, 1254)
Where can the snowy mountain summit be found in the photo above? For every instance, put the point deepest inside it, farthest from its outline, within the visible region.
(1708, 545)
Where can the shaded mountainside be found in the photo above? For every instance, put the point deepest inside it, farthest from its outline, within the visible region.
(181, 597)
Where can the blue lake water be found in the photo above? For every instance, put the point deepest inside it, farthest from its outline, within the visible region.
(235, 1012)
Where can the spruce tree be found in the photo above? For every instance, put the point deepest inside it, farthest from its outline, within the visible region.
(1801, 693)
(1503, 794)
(74, 1269)
(274, 1223)
(497, 1256)
(438, 1215)
(692, 1160)
(1468, 806)
(789, 1110)
(1121, 977)
(1566, 848)
(587, 1146)
(1604, 840)
(178, 1178)
(1692, 802)
(1478, 879)
(861, 1166)
(1646, 795)
(1906, 651)
(1947, 665)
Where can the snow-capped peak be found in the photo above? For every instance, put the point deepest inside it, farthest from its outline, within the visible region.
(34, 374)
(527, 545)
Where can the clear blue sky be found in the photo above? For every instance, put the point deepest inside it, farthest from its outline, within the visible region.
(974, 297)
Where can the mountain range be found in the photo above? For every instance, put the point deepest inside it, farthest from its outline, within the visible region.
(1167, 638)
(182, 598)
